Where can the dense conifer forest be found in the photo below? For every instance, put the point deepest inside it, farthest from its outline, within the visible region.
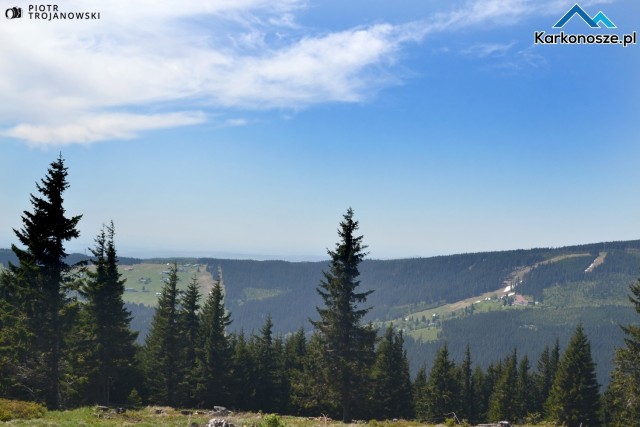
(67, 336)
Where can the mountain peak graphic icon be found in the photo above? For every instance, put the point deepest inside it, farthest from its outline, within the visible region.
(592, 22)
(601, 17)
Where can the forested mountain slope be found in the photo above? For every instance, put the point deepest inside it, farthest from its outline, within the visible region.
(401, 287)
(586, 283)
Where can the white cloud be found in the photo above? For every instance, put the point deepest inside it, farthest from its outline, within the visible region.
(65, 82)
(151, 64)
(89, 129)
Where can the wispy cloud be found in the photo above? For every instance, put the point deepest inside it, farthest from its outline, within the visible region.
(483, 50)
(78, 82)
(99, 127)
(154, 64)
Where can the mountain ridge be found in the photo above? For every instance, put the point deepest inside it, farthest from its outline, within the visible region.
(565, 282)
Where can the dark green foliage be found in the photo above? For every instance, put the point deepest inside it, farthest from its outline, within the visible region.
(162, 350)
(106, 339)
(391, 383)
(311, 390)
(468, 402)
(526, 395)
(441, 395)
(623, 395)
(348, 345)
(268, 379)
(243, 373)
(503, 404)
(419, 390)
(481, 395)
(214, 364)
(33, 291)
(574, 398)
(490, 335)
(294, 355)
(547, 369)
(189, 325)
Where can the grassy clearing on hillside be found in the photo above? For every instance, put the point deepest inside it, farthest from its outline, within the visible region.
(145, 281)
(425, 325)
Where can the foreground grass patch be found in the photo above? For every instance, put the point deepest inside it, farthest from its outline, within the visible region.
(14, 409)
(90, 416)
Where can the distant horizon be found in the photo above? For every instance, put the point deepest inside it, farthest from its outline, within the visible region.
(246, 256)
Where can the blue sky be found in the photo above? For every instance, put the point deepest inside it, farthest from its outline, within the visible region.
(247, 128)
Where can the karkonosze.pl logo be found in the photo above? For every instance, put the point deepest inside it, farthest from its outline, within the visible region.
(13, 13)
(540, 37)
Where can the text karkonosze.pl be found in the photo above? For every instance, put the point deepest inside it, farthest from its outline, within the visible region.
(540, 37)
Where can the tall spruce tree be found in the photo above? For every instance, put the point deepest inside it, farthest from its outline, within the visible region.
(214, 365)
(162, 346)
(35, 289)
(467, 398)
(348, 344)
(189, 325)
(574, 399)
(623, 394)
(111, 342)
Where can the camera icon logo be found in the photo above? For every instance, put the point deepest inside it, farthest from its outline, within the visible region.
(13, 13)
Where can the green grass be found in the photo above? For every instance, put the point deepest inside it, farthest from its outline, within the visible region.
(413, 325)
(90, 416)
(145, 293)
(147, 417)
(15, 409)
(259, 294)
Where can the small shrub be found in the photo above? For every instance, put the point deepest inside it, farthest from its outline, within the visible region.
(272, 420)
(13, 409)
(134, 398)
(449, 422)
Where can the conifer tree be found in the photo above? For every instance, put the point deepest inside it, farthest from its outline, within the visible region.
(34, 291)
(267, 375)
(481, 394)
(348, 345)
(391, 384)
(244, 367)
(443, 391)
(503, 404)
(574, 398)
(111, 343)
(189, 324)
(215, 356)
(295, 352)
(312, 391)
(162, 347)
(419, 390)
(467, 399)
(547, 370)
(623, 394)
(525, 391)
(543, 381)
